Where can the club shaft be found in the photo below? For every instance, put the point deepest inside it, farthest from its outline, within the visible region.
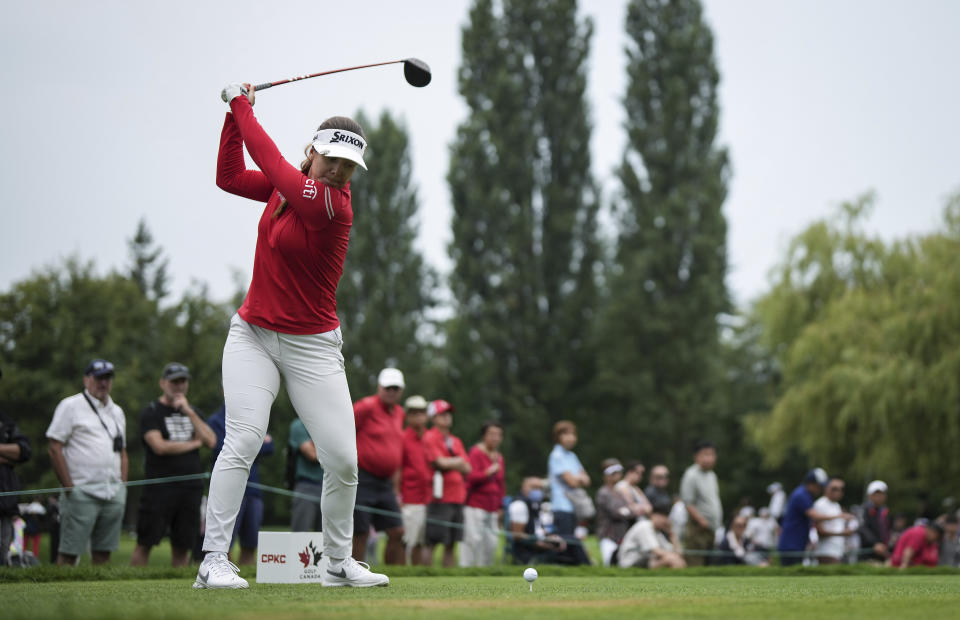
(313, 75)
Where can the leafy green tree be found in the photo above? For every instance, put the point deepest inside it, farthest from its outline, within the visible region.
(524, 226)
(661, 367)
(51, 325)
(867, 336)
(386, 289)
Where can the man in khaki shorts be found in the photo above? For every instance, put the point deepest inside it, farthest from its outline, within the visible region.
(88, 451)
(415, 482)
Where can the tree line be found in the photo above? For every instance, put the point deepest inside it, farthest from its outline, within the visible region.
(609, 311)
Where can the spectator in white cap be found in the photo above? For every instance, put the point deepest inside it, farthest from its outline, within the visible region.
(875, 528)
(379, 420)
(800, 515)
(778, 500)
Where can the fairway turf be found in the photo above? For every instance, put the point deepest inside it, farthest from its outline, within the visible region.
(909, 596)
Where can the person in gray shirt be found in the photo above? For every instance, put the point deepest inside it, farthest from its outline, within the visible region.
(700, 492)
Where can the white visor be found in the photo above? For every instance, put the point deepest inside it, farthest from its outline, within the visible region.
(340, 143)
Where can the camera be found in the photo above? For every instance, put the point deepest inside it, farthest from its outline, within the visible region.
(118, 444)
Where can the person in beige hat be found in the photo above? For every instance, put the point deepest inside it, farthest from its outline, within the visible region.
(415, 481)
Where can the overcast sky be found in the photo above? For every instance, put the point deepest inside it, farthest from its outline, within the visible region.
(112, 114)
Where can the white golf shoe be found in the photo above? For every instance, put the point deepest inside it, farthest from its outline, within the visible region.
(216, 571)
(350, 573)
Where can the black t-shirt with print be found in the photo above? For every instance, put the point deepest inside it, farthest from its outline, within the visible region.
(174, 426)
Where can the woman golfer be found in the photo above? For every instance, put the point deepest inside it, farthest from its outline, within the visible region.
(287, 326)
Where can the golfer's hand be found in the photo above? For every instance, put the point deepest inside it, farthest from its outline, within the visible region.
(235, 89)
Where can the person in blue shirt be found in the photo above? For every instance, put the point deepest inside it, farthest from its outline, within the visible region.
(250, 517)
(800, 516)
(565, 473)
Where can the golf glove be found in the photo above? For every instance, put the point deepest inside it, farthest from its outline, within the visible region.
(231, 91)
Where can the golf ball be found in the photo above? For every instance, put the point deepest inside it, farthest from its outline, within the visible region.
(530, 574)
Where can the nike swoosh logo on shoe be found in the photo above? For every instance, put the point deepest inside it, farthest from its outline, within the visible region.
(203, 577)
(342, 574)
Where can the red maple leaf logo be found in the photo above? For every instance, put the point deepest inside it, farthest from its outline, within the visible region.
(305, 557)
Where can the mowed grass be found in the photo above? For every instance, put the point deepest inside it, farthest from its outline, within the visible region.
(868, 597)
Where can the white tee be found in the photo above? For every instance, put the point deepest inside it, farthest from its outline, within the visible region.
(519, 513)
(830, 546)
(87, 445)
(762, 532)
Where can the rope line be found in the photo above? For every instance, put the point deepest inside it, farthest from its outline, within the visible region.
(370, 509)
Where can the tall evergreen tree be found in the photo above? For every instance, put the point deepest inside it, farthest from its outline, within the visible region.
(148, 267)
(386, 288)
(661, 361)
(524, 224)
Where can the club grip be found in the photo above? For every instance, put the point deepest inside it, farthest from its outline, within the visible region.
(263, 86)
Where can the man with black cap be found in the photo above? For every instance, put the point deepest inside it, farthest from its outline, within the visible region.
(172, 433)
(14, 449)
(88, 452)
(800, 515)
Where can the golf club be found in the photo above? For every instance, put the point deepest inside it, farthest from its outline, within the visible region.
(415, 71)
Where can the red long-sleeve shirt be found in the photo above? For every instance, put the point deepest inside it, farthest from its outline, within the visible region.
(379, 436)
(300, 254)
(925, 553)
(483, 491)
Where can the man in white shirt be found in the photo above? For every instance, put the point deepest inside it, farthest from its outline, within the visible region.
(832, 533)
(88, 451)
(647, 544)
(762, 531)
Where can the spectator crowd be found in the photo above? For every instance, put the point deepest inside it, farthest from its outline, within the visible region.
(424, 494)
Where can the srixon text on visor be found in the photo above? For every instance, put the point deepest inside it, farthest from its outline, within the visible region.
(339, 137)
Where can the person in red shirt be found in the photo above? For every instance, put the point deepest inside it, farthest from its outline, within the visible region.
(287, 327)
(485, 492)
(447, 457)
(415, 480)
(379, 420)
(918, 546)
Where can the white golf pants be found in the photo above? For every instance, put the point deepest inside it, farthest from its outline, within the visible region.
(312, 367)
(480, 537)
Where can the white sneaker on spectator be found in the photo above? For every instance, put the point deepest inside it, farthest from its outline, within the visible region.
(350, 573)
(216, 571)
